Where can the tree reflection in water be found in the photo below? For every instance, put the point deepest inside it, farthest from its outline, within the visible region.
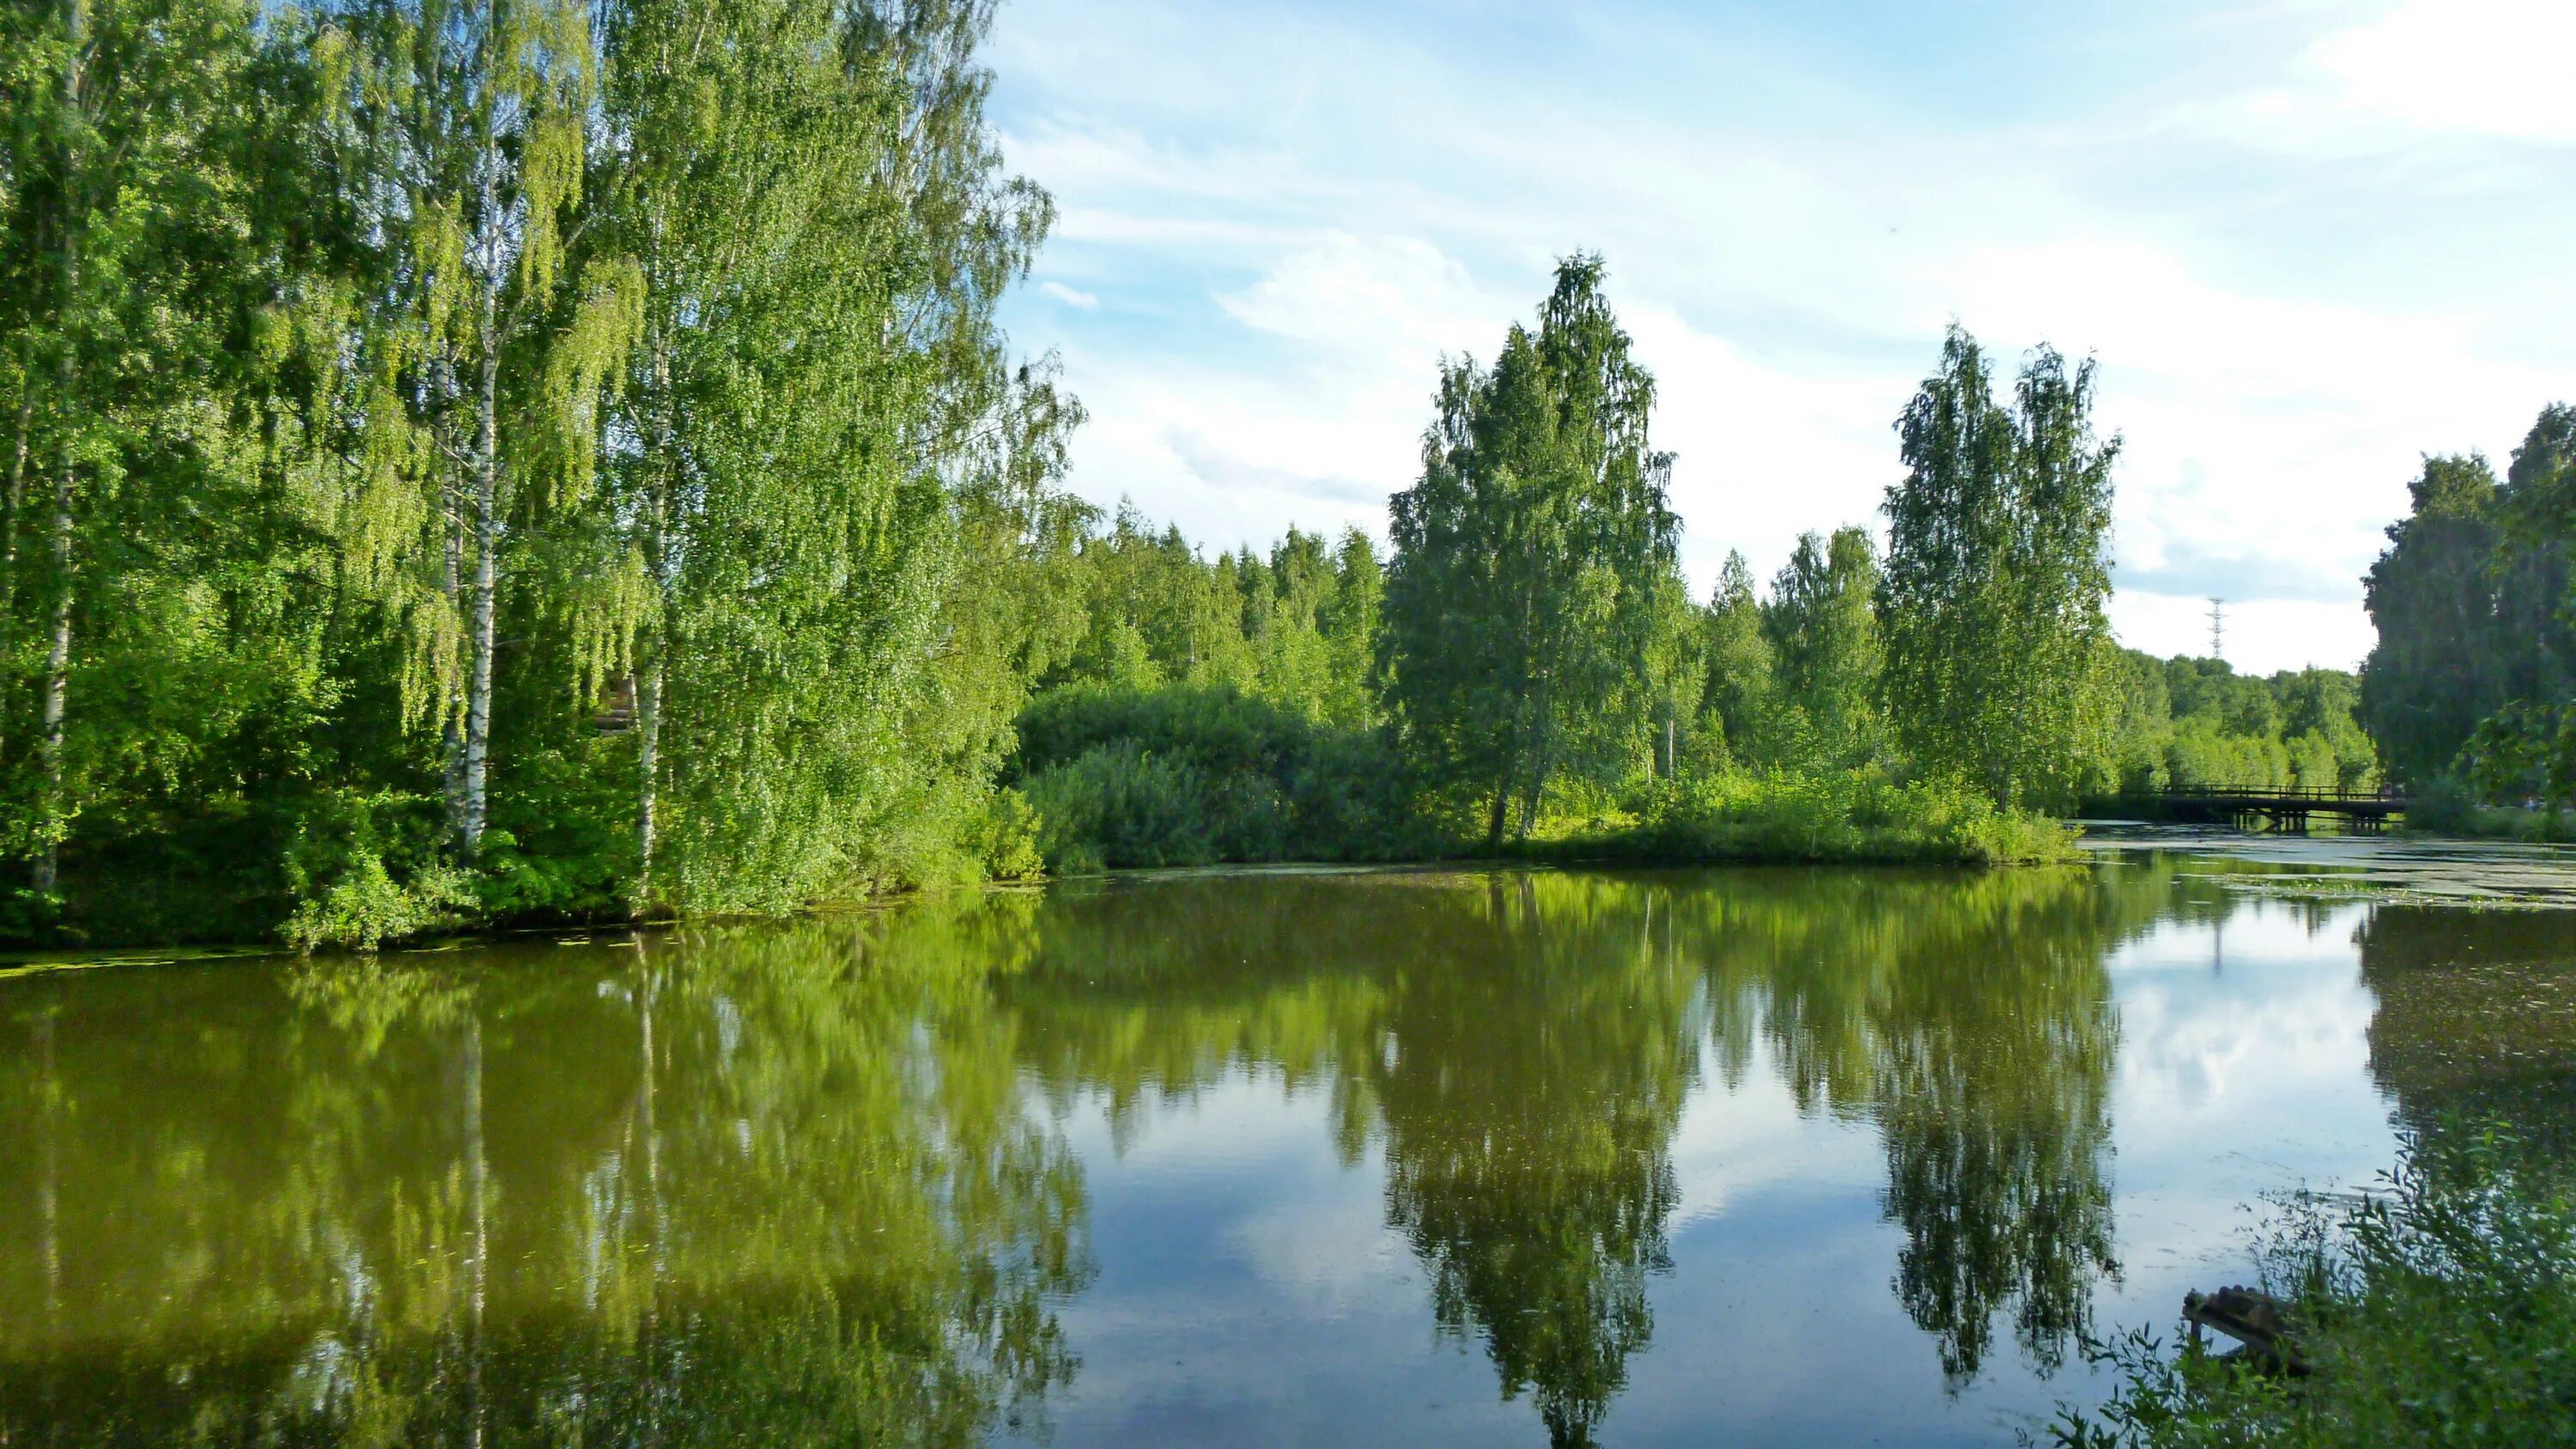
(2472, 1020)
(766, 1186)
(1522, 1044)
(1542, 1049)
(790, 1183)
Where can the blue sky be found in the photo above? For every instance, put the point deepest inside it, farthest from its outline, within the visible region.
(2309, 242)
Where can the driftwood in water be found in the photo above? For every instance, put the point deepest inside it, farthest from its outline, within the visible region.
(2257, 1320)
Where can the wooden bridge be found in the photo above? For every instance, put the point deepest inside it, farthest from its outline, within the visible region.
(2284, 807)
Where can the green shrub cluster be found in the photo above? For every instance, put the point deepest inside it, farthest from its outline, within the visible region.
(2441, 1312)
(1191, 775)
(2448, 805)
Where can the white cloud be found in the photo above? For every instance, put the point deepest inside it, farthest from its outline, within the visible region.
(1070, 296)
(2492, 67)
(1393, 302)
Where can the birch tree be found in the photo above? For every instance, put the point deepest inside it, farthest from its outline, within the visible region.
(481, 115)
(1521, 604)
(1998, 570)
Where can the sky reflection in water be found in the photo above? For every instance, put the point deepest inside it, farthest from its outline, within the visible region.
(1279, 1158)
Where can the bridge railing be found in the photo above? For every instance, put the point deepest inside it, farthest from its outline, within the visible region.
(2302, 794)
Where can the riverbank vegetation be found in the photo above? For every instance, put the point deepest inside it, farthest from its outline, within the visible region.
(2439, 1312)
(556, 461)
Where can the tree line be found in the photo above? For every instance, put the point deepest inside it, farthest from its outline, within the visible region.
(1539, 661)
(475, 459)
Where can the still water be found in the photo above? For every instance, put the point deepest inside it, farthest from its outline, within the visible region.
(1271, 1158)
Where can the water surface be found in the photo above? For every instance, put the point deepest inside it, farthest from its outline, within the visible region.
(1241, 1158)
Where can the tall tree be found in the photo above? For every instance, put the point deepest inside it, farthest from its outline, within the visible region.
(126, 257)
(1825, 644)
(2437, 668)
(1740, 705)
(1350, 621)
(1521, 601)
(826, 230)
(481, 114)
(727, 127)
(2537, 587)
(1997, 573)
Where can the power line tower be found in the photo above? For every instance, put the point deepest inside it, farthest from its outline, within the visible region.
(2218, 628)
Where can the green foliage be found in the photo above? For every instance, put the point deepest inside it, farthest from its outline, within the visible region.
(1531, 563)
(2523, 751)
(364, 908)
(552, 461)
(2438, 1312)
(345, 893)
(2186, 721)
(1190, 776)
(1997, 570)
(1741, 714)
(1825, 650)
(2473, 607)
(1838, 817)
(387, 389)
(2434, 673)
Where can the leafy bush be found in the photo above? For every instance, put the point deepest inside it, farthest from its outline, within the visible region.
(2442, 804)
(2445, 805)
(1185, 775)
(561, 844)
(1008, 840)
(346, 894)
(364, 908)
(2441, 1312)
(2523, 752)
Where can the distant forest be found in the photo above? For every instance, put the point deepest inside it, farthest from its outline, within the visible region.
(554, 460)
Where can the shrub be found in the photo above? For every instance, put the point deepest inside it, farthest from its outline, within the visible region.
(2440, 1312)
(364, 908)
(342, 868)
(2444, 804)
(1184, 775)
(1117, 804)
(1007, 839)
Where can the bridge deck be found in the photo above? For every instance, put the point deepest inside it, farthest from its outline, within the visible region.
(2282, 802)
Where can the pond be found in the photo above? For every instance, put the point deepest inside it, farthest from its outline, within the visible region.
(1415, 1157)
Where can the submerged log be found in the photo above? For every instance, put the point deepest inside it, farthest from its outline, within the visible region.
(2259, 1321)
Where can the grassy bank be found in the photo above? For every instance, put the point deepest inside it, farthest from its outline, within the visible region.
(2440, 1312)
(1120, 779)
(1102, 778)
(1841, 818)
